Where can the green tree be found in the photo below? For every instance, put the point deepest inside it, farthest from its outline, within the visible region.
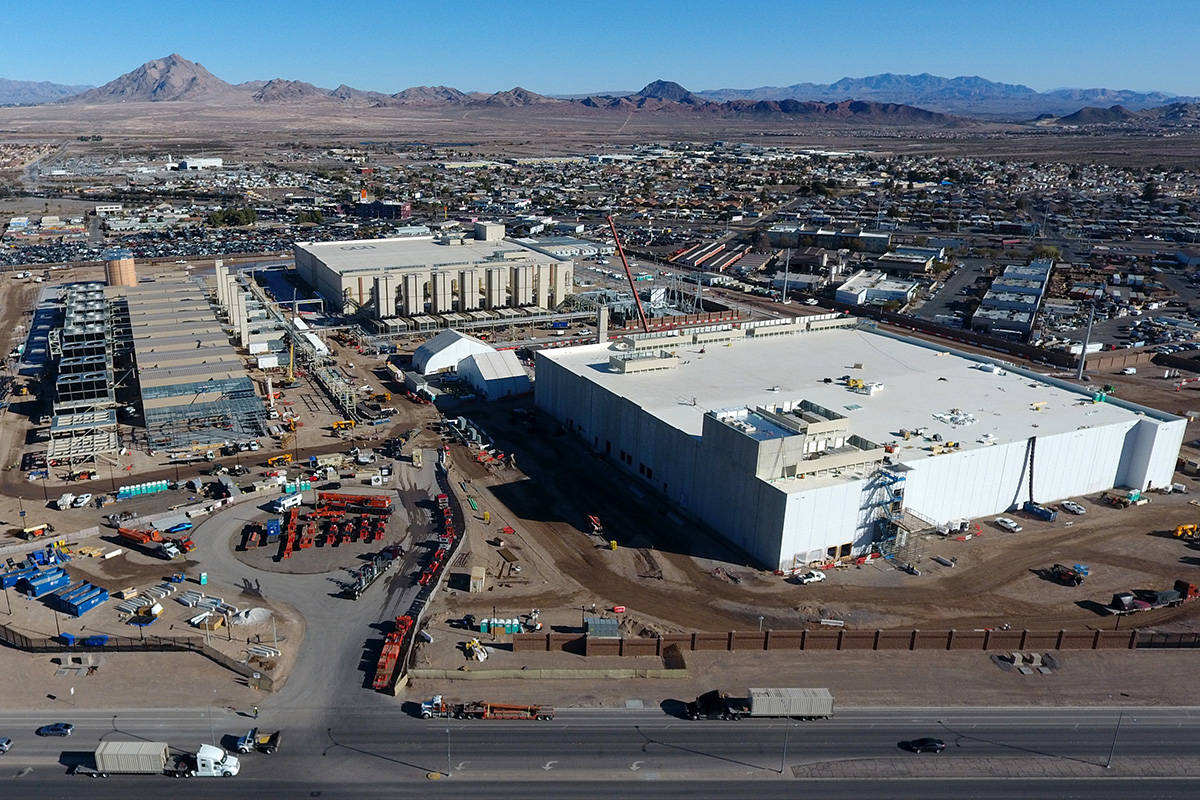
(1046, 251)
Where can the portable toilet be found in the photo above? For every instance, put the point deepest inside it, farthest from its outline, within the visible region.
(483, 625)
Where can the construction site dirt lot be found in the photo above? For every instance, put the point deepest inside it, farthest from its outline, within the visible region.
(665, 570)
(861, 678)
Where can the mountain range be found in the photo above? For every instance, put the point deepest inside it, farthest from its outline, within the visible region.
(176, 79)
(16, 93)
(964, 95)
(887, 99)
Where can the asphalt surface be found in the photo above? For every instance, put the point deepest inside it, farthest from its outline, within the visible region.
(385, 750)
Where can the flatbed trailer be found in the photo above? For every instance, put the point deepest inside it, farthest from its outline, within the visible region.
(481, 709)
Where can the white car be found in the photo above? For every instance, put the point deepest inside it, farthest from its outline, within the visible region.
(813, 576)
(82, 500)
(1008, 524)
(810, 302)
(1073, 507)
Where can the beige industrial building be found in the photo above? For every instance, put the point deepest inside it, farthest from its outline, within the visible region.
(441, 274)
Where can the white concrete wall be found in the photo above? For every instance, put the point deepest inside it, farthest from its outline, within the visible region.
(990, 480)
(818, 519)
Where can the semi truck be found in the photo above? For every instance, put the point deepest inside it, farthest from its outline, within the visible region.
(437, 707)
(800, 703)
(1149, 599)
(154, 758)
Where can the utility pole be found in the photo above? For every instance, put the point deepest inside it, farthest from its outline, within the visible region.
(1112, 749)
(787, 260)
(1087, 338)
(447, 752)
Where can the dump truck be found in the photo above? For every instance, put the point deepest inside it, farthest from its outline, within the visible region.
(259, 740)
(437, 707)
(154, 758)
(800, 703)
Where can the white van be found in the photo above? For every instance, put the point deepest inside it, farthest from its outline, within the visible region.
(1129, 371)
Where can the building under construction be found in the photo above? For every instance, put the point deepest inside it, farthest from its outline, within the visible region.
(815, 438)
(84, 424)
(195, 391)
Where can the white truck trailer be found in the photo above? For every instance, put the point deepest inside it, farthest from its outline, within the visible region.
(154, 758)
(800, 703)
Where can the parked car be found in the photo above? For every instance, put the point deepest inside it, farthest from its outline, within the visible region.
(926, 744)
(56, 729)
(1073, 507)
(1009, 525)
(82, 500)
(5, 745)
(813, 576)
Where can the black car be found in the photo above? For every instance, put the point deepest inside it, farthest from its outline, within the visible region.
(56, 729)
(926, 744)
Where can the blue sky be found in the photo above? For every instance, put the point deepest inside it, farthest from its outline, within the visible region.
(567, 46)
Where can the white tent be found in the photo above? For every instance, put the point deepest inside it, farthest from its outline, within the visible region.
(443, 352)
(496, 374)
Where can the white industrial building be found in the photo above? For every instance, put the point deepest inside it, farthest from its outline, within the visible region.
(875, 288)
(495, 375)
(450, 272)
(443, 352)
(801, 440)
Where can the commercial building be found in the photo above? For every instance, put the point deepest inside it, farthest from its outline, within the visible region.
(905, 263)
(1010, 305)
(875, 288)
(769, 441)
(415, 275)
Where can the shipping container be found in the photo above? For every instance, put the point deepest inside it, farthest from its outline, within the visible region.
(131, 757)
(791, 703)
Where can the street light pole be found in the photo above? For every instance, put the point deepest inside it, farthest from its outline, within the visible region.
(447, 752)
(1113, 747)
(787, 729)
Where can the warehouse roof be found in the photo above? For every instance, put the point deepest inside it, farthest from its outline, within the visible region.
(923, 386)
(370, 255)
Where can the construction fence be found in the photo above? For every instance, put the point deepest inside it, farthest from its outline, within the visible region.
(256, 678)
(843, 639)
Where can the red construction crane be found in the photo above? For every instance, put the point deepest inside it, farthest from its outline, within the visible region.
(629, 275)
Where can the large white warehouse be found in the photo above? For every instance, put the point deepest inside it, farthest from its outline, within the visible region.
(789, 436)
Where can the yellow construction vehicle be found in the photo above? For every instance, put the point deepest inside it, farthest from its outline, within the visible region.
(275, 461)
(1188, 531)
(22, 390)
(340, 424)
(382, 397)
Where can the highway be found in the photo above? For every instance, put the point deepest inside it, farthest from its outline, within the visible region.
(593, 752)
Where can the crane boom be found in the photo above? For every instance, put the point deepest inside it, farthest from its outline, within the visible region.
(628, 274)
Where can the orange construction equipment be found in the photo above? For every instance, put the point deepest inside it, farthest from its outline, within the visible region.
(385, 669)
(629, 274)
(140, 536)
(369, 503)
(1188, 531)
(339, 424)
(289, 540)
(275, 461)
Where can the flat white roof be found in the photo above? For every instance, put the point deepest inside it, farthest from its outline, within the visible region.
(369, 255)
(920, 384)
